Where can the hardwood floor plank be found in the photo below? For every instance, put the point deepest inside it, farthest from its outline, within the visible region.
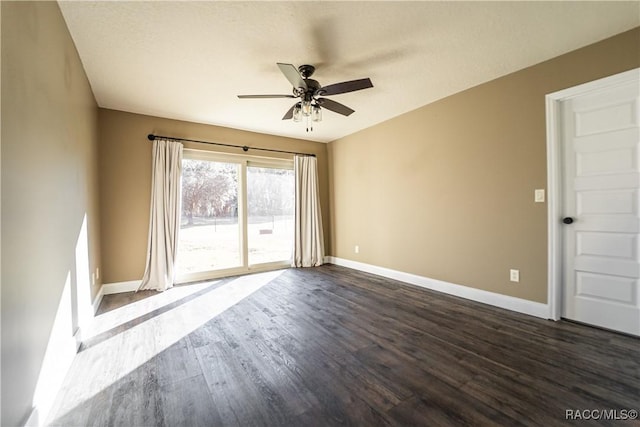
(332, 346)
(137, 399)
(256, 355)
(343, 397)
(239, 388)
(177, 363)
(441, 407)
(225, 385)
(188, 403)
(367, 385)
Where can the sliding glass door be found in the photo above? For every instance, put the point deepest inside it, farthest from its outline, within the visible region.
(270, 194)
(237, 215)
(209, 229)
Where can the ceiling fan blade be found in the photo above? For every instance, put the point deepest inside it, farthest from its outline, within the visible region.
(334, 106)
(264, 96)
(292, 74)
(345, 87)
(289, 114)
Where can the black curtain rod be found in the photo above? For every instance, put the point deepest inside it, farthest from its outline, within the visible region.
(152, 137)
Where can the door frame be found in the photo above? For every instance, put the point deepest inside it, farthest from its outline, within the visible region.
(554, 180)
(243, 161)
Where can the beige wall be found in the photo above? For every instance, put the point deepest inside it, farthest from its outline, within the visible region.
(49, 187)
(446, 191)
(125, 180)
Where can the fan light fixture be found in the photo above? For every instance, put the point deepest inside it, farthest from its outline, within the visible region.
(316, 116)
(297, 112)
(306, 108)
(309, 110)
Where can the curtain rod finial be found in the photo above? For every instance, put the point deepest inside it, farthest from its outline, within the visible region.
(151, 137)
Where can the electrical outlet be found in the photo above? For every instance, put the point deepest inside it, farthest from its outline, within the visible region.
(356, 249)
(514, 275)
(97, 272)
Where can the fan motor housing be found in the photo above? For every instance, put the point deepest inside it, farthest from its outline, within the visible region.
(312, 89)
(312, 85)
(306, 70)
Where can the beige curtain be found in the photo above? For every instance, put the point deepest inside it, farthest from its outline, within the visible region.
(164, 218)
(308, 249)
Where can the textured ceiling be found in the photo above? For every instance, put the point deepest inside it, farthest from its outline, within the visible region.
(189, 60)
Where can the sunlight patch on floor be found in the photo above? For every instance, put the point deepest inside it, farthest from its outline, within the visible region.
(142, 342)
(122, 315)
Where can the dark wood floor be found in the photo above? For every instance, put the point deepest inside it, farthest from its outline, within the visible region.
(333, 346)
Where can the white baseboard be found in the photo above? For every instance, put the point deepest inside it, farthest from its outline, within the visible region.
(497, 300)
(98, 299)
(120, 287)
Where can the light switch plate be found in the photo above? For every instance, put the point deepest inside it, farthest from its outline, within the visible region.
(539, 196)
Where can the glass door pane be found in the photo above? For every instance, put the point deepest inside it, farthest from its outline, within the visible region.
(270, 206)
(209, 230)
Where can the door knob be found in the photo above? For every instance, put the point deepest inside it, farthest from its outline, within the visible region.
(567, 220)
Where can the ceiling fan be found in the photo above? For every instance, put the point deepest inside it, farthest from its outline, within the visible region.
(311, 94)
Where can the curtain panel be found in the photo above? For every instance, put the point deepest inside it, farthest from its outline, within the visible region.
(308, 248)
(164, 216)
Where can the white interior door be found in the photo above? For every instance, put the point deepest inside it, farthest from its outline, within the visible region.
(601, 181)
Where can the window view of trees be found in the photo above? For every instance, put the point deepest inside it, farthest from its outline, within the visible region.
(270, 199)
(209, 189)
(209, 232)
(210, 228)
(270, 191)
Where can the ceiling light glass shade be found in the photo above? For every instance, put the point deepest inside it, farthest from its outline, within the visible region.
(316, 114)
(297, 113)
(306, 108)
